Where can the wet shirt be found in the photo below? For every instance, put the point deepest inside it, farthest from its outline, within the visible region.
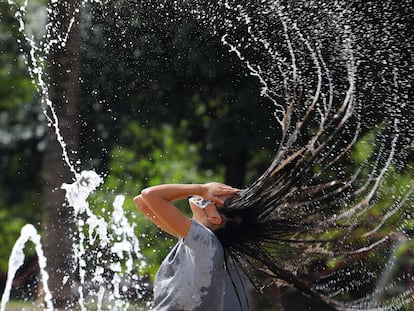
(191, 277)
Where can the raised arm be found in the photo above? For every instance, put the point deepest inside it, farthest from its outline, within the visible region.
(140, 204)
(155, 203)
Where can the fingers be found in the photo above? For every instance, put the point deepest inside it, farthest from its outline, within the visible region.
(222, 189)
(216, 190)
(227, 191)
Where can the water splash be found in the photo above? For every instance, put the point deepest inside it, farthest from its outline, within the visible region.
(28, 233)
(36, 64)
(123, 251)
(116, 237)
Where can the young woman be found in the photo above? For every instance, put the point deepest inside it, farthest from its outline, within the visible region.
(192, 276)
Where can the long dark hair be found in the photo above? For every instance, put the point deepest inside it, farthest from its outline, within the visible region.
(304, 221)
(315, 219)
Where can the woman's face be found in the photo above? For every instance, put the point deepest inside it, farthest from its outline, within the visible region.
(213, 211)
(210, 213)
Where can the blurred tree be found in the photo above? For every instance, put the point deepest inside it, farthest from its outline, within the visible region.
(63, 81)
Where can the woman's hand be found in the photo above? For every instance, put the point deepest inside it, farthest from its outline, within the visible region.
(214, 191)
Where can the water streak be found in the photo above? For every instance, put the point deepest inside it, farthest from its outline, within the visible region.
(28, 233)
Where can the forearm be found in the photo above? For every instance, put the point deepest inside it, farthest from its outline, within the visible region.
(143, 208)
(159, 209)
(172, 192)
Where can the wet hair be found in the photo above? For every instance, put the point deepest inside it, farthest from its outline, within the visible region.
(252, 239)
(314, 219)
(304, 212)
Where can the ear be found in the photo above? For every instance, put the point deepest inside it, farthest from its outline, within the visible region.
(215, 219)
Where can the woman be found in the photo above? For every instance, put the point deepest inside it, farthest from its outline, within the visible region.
(192, 276)
(223, 241)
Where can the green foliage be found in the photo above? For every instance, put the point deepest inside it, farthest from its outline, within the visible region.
(157, 65)
(390, 211)
(195, 107)
(364, 148)
(21, 132)
(12, 219)
(16, 86)
(395, 191)
(152, 156)
(10, 226)
(21, 129)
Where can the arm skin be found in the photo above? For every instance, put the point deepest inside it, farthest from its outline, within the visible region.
(140, 204)
(155, 203)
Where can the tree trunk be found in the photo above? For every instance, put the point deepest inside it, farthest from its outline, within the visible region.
(58, 224)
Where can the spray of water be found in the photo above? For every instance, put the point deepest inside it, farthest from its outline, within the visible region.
(117, 236)
(315, 68)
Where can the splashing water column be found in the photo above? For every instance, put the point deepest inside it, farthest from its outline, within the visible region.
(28, 233)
